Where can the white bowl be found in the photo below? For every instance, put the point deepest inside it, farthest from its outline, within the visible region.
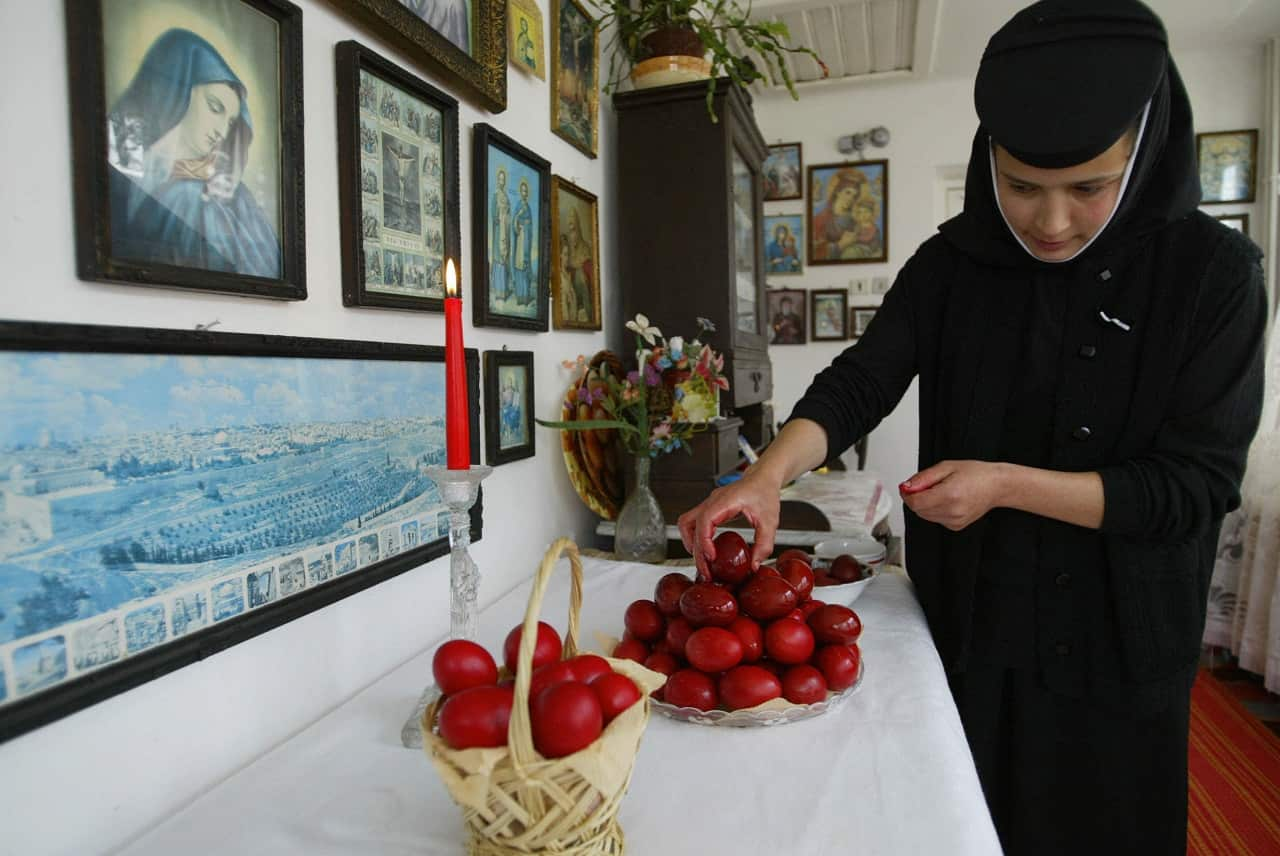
(845, 593)
(868, 550)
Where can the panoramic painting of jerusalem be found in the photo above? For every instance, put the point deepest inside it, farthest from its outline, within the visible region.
(146, 497)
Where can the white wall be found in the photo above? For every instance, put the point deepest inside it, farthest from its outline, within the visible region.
(93, 780)
(1227, 94)
(932, 124)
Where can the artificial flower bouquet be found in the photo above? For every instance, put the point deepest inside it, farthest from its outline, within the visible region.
(656, 407)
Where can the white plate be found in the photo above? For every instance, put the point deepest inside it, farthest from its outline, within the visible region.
(868, 551)
(776, 712)
(845, 593)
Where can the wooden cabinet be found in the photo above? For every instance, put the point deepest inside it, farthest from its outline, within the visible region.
(690, 208)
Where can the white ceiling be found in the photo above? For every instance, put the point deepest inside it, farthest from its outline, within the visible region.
(862, 40)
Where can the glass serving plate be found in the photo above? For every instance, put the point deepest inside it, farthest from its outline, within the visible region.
(776, 712)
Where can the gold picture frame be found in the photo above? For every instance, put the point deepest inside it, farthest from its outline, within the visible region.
(480, 70)
(1228, 164)
(575, 273)
(575, 76)
(526, 49)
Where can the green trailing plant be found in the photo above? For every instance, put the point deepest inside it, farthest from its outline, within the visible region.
(714, 22)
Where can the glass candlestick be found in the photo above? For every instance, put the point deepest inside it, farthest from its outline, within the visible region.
(458, 489)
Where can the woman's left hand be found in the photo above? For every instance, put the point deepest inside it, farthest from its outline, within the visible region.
(954, 493)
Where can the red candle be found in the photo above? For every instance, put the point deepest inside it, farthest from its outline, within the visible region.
(457, 418)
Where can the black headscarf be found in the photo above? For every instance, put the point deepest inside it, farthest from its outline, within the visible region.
(1058, 85)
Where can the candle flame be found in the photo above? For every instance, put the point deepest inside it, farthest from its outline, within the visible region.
(450, 279)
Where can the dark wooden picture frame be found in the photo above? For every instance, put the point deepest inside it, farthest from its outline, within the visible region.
(822, 297)
(787, 328)
(195, 538)
(571, 267)
(1238, 221)
(1218, 155)
(127, 232)
(508, 413)
(433, 162)
(575, 64)
(481, 74)
(783, 257)
(859, 318)
(486, 299)
(862, 242)
(773, 182)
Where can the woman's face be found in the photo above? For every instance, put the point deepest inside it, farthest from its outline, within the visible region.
(845, 197)
(213, 107)
(1056, 211)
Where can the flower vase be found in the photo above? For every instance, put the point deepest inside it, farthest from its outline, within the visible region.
(640, 533)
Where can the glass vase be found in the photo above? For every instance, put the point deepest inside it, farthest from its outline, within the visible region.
(641, 532)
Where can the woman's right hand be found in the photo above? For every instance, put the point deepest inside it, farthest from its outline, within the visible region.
(755, 497)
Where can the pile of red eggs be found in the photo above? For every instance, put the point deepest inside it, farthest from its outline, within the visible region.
(571, 701)
(743, 638)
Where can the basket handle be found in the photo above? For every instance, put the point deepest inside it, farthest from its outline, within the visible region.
(519, 729)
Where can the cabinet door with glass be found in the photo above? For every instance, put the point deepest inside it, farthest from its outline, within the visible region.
(747, 265)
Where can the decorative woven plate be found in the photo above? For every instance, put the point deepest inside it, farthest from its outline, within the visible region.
(593, 459)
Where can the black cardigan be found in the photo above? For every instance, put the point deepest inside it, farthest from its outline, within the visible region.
(1164, 411)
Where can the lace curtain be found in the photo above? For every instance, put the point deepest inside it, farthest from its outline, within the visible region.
(1244, 595)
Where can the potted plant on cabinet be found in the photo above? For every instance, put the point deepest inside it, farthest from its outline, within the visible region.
(660, 42)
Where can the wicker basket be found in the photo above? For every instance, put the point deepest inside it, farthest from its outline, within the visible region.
(515, 801)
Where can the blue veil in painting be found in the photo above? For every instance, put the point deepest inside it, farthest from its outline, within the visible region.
(177, 161)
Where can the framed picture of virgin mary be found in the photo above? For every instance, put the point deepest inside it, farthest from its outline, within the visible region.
(188, 144)
(847, 220)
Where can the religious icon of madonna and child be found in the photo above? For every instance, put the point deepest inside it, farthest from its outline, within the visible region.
(847, 207)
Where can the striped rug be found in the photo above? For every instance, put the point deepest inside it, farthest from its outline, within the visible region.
(1234, 766)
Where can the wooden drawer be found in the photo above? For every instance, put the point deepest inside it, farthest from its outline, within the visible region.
(714, 453)
(752, 382)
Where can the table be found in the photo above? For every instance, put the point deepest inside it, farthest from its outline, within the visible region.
(888, 772)
(853, 503)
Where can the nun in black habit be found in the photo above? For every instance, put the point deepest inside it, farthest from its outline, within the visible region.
(1089, 352)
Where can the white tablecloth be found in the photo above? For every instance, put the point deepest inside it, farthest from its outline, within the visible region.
(888, 772)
